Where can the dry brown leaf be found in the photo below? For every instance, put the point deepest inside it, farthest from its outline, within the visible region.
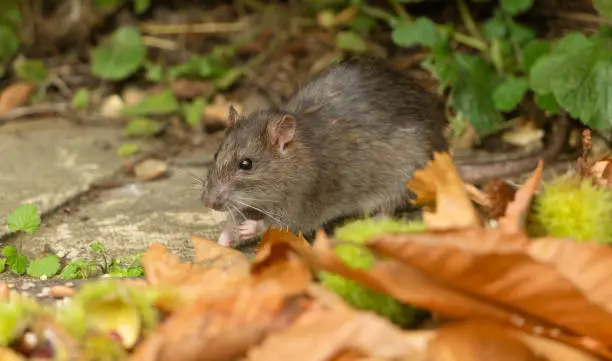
(548, 284)
(210, 254)
(151, 169)
(277, 259)
(478, 342)
(15, 95)
(602, 171)
(166, 270)
(189, 88)
(516, 213)
(485, 341)
(500, 194)
(322, 335)
(409, 285)
(223, 328)
(439, 180)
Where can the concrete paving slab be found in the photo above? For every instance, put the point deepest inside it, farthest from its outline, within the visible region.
(129, 218)
(51, 161)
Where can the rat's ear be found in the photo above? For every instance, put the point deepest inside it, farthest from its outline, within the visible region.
(232, 115)
(282, 130)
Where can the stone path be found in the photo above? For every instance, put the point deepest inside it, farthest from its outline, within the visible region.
(52, 162)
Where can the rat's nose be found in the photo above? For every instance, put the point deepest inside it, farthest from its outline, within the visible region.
(215, 198)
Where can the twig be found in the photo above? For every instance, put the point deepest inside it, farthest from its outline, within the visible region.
(582, 17)
(399, 9)
(206, 28)
(33, 110)
(165, 44)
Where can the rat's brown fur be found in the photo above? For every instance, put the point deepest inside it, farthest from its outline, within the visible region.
(361, 130)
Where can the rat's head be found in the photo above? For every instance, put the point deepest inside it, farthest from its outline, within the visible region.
(253, 165)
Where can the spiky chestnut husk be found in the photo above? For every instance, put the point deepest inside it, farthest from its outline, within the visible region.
(352, 292)
(573, 208)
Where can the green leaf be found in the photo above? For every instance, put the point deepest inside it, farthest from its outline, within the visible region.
(127, 149)
(2, 264)
(120, 55)
(9, 252)
(155, 73)
(510, 92)
(421, 32)
(34, 71)
(579, 74)
(80, 99)
(362, 23)
(493, 28)
(501, 54)
(515, 7)
(195, 67)
(106, 4)
(19, 265)
(97, 247)
(350, 41)
(521, 34)
(229, 78)
(10, 13)
(143, 127)
(193, 111)
(471, 92)
(25, 219)
(604, 7)
(46, 266)
(532, 52)
(71, 271)
(10, 42)
(547, 102)
(161, 103)
(140, 6)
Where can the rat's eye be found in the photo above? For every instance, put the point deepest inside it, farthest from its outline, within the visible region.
(245, 164)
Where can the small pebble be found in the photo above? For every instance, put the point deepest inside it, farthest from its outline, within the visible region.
(69, 284)
(61, 291)
(27, 286)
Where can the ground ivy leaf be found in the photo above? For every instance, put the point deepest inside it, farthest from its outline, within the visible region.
(80, 99)
(515, 7)
(532, 52)
(46, 266)
(350, 41)
(472, 90)
(510, 92)
(193, 111)
(494, 28)
(547, 102)
(521, 34)
(579, 74)
(196, 66)
(120, 55)
(161, 103)
(422, 32)
(604, 7)
(9, 252)
(127, 149)
(25, 218)
(142, 127)
(20, 264)
(32, 70)
(70, 271)
(10, 42)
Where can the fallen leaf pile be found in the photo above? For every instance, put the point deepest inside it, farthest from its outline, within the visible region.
(498, 295)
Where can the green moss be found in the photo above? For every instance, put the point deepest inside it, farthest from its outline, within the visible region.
(574, 209)
(359, 257)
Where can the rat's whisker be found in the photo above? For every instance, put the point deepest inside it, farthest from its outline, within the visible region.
(237, 210)
(260, 210)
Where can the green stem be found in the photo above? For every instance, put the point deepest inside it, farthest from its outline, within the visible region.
(380, 14)
(470, 41)
(399, 9)
(468, 21)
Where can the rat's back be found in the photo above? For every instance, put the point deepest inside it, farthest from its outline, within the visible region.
(370, 127)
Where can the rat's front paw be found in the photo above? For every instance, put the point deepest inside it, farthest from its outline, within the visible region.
(250, 228)
(224, 239)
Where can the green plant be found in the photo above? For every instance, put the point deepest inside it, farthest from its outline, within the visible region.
(355, 255)
(504, 62)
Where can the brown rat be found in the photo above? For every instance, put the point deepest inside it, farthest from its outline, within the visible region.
(344, 144)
